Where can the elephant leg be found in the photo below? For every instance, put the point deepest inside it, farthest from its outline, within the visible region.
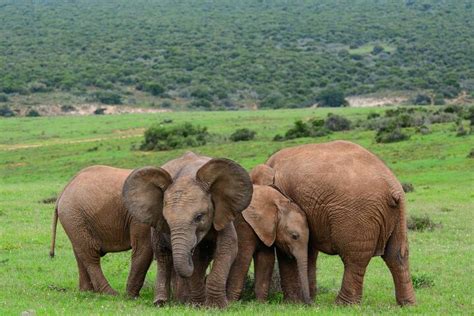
(396, 258)
(239, 270)
(264, 263)
(92, 263)
(290, 284)
(163, 278)
(197, 282)
(142, 256)
(312, 257)
(85, 283)
(355, 265)
(224, 256)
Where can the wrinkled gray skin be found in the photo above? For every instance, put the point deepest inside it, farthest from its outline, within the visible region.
(355, 208)
(94, 217)
(270, 220)
(191, 201)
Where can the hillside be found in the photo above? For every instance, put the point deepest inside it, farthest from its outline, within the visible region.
(231, 54)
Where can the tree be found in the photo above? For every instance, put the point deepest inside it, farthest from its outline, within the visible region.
(331, 97)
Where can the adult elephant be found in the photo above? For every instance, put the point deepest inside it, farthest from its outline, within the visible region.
(95, 219)
(355, 208)
(193, 200)
(270, 221)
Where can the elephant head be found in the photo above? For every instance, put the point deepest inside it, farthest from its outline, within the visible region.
(199, 196)
(278, 221)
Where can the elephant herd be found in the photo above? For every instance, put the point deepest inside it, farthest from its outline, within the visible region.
(336, 197)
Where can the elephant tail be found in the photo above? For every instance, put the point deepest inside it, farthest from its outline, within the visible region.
(54, 226)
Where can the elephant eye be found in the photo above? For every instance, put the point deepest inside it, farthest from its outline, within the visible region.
(198, 217)
(295, 236)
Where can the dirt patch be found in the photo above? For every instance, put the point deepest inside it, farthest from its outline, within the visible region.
(85, 109)
(360, 102)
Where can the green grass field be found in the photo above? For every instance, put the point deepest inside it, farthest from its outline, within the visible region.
(39, 155)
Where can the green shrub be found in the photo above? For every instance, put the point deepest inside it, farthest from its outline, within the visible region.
(422, 99)
(5, 111)
(3, 97)
(337, 123)
(107, 97)
(242, 134)
(422, 281)
(331, 97)
(407, 187)
(100, 111)
(32, 113)
(154, 88)
(201, 104)
(421, 223)
(390, 133)
(172, 137)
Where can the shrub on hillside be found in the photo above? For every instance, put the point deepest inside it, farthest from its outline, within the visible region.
(100, 111)
(67, 108)
(422, 99)
(154, 88)
(107, 97)
(313, 128)
(5, 111)
(390, 133)
(32, 113)
(3, 97)
(172, 137)
(331, 97)
(242, 134)
(421, 223)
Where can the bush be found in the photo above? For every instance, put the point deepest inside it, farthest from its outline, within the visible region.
(154, 88)
(108, 97)
(242, 134)
(421, 223)
(32, 113)
(3, 97)
(407, 187)
(201, 104)
(422, 99)
(422, 281)
(331, 97)
(180, 136)
(5, 111)
(100, 111)
(392, 136)
(471, 154)
(314, 128)
(337, 123)
(377, 50)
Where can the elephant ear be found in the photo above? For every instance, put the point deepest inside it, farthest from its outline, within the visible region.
(262, 216)
(230, 188)
(262, 175)
(143, 192)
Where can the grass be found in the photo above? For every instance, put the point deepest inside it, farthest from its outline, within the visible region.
(39, 155)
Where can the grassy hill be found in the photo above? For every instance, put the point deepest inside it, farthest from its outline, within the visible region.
(230, 54)
(39, 155)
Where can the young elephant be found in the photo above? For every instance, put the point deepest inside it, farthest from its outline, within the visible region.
(191, 202)
(355, 208)
(94, 217)
(271, 219)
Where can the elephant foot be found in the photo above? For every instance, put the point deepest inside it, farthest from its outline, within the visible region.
(220, 302)
(345, 300)
(160, 302)
(109, 291)
(406, 301)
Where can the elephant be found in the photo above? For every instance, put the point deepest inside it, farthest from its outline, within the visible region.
(94, 217)
(355, 208)
(191, 203)
(270, 220)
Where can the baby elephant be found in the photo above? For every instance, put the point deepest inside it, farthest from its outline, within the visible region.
(93, 214)
(271, 219)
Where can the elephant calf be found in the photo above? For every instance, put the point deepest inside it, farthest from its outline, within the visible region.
(191, 203)
(271, 219)
(93, 214)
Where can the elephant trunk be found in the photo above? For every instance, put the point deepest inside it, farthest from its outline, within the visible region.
(302, 261)
(182, 254)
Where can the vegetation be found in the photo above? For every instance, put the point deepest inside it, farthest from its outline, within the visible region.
(38, 156)
(421, 223)
(180, 136)
(279, 54)
(242, 134)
